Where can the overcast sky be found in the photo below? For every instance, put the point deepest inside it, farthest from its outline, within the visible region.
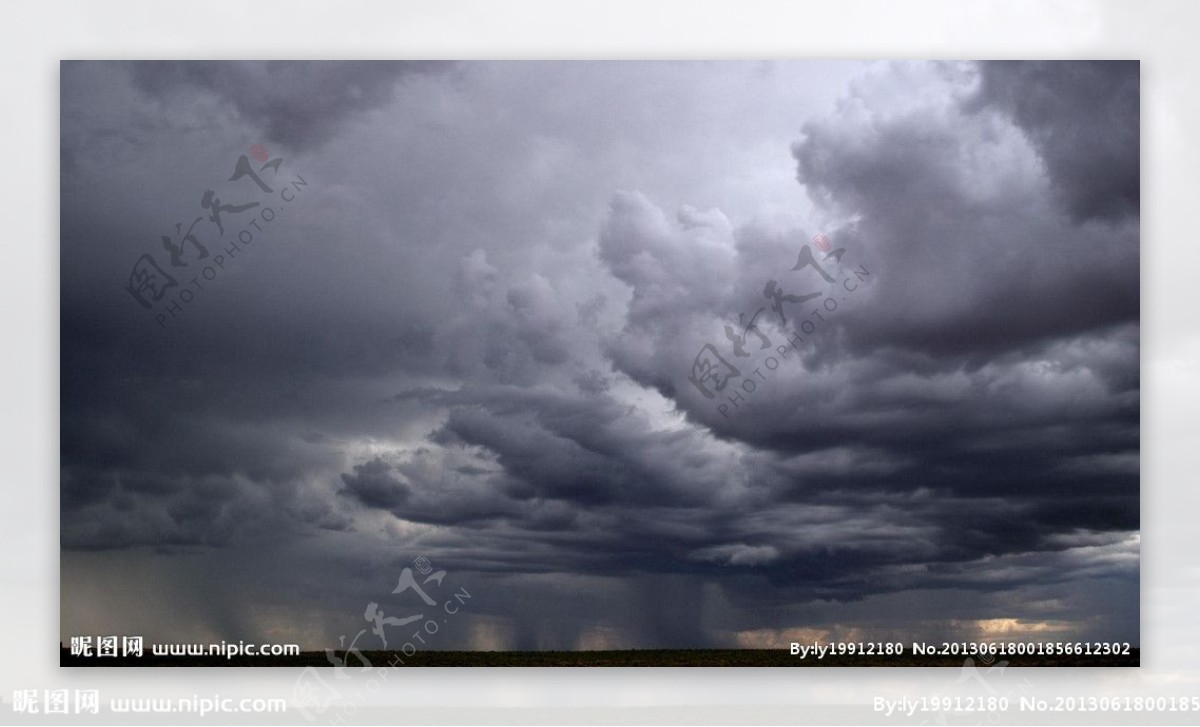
(471, 324)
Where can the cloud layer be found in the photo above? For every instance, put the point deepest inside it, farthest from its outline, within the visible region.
(473, 336)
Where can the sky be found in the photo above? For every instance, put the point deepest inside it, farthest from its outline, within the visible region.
(639, 354)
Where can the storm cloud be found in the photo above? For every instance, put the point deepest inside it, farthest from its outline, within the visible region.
(296, 103)
(472, 335)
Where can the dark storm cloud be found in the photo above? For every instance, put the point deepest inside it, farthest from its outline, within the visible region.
(993, 365)
(971, 260)
(1095, 166)
(971, 267)
(374, 485)
(457, 349)
(605, 495)
(300, 104)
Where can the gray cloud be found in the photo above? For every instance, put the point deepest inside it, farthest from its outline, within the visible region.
(1095, 167)
(297, 103)
(471, 340)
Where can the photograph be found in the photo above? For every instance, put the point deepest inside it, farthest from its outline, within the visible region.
(375, 364)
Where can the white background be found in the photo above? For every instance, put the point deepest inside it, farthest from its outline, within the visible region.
(34, 37)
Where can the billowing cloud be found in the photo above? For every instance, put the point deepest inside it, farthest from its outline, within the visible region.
(1094, 167)
(474, 337)
(299, 104)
